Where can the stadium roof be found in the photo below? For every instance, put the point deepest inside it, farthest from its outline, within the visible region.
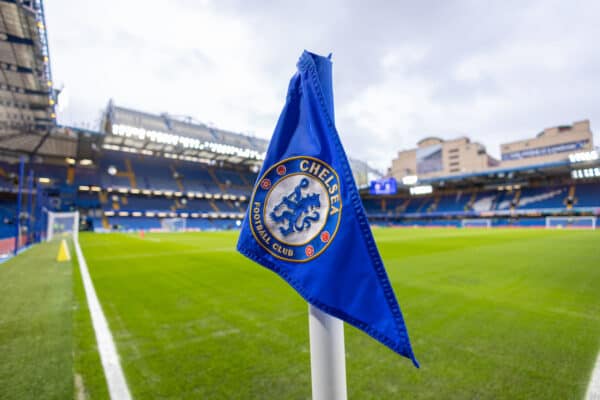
(181, 138)
(27, 117)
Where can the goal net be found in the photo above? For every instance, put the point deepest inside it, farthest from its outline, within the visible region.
(476, 223)
(571, 222)
(173, 224)
(62, 224)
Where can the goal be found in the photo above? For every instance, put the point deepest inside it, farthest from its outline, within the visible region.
(173, 224)
(62, 224)
(571, 222)
(476, 223)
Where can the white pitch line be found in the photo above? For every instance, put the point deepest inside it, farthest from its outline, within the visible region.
(117, 385)
(593, 391)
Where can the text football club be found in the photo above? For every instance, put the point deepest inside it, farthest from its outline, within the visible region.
(296, 208)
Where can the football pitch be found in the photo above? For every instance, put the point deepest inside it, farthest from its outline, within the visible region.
(492, 314)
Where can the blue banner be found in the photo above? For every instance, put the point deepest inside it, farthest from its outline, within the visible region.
(544, 151)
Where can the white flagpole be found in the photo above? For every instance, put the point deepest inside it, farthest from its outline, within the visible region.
(327, 356)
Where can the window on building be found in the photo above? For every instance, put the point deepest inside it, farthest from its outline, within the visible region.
(454, 164)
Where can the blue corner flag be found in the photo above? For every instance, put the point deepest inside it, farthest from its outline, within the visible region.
(306, 221)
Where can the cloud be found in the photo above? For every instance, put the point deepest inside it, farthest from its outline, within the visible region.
(402, 70)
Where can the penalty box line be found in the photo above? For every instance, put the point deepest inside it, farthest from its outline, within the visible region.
(117, 385)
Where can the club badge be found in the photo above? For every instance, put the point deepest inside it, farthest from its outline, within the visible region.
(296, 208)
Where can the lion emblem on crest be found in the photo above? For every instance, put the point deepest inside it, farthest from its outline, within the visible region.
(295, 211)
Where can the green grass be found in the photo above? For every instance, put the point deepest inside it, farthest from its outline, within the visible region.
(47, 346)
(88, 375)
(492, 314)
(35, 326)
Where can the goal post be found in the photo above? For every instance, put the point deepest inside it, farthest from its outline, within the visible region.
(476, 223)
(62, 224)
(571, 222)
(173, 224)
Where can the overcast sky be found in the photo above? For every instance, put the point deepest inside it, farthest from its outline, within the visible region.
(494, 71)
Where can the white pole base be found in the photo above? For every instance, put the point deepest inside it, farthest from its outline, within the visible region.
(327, 356)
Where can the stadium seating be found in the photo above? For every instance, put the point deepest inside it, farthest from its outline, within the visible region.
(587, 195)
(452, 202)
(540, 198)
(138, 185)
(7, 218)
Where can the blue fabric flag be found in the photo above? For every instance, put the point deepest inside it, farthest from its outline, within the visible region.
(306, 221)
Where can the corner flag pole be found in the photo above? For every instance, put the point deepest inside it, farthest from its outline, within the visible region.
(327, 356)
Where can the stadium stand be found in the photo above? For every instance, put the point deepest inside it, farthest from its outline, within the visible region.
(587, 195)
(124, 190)
(140, 168)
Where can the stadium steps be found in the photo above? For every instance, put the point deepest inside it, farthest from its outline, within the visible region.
(213, 206)
(571, 195)
(231, 205)
(179, 205)
(213, 176)
(130, 173)
(497, 201)
(402, 207)
(469, 205)
(102, 197)
(515, 200)
(246, 183)
(423, 204)
(178, 180)
(124, 200)
(434, 205)
(105, 223)
(70, 175)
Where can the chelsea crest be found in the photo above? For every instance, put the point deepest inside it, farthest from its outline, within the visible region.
(296, 207)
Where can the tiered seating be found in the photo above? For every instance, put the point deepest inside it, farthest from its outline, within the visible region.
(107, 180)
(133, 223)
(429, 210)
(229, 177)
(587, 195)
(453, 202)
(88, 200)
(484, 201)
(503, 200)
(86, 176)
(154, 175)
(140, 203)
(546, 197)
(419, 205)
(57, 173)
(7, 217)
(6, 181)
(196, 178)
(372, 206)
